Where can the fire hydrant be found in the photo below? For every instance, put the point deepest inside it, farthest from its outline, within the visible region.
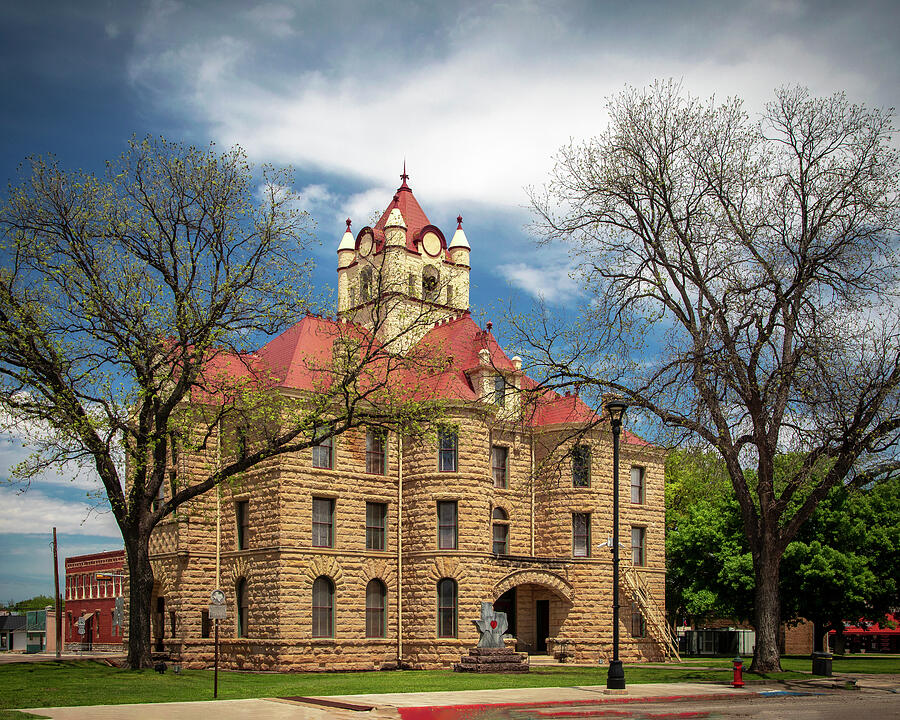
(738, 680)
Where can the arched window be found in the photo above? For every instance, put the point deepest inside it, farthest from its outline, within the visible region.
(240, 596)
(366, 284)
(501, 531)
(323, 607)
(446, 607)
(376, 604)
(430, 281)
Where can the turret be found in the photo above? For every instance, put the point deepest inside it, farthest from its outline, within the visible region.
(459, 246)
(395, 228)
(347, 248)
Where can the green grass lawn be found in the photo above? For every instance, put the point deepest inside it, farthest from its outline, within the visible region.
(85, 682)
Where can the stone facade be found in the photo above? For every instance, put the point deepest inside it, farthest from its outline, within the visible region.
(271, 538)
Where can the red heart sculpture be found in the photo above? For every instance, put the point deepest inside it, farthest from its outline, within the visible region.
(493, 624)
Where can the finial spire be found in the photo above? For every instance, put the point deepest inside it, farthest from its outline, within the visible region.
(459, 222)
(404, 176)
(348, 224)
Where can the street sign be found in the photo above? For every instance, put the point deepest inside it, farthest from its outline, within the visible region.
(119, 613)
(217, 605)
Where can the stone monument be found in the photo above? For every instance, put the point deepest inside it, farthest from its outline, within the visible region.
(491, 655)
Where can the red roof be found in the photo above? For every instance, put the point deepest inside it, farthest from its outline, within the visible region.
(413, 215)
(301, 358)
(865, 627)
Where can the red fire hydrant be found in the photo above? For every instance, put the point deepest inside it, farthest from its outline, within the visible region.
(738, 681)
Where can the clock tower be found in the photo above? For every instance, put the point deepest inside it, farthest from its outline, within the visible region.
(401, 276)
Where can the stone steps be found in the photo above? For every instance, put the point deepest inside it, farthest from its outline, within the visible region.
(496, 660)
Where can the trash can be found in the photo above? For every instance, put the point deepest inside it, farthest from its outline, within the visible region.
(821, 663)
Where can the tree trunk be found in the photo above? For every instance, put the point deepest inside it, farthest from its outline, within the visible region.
(766, 610)
(818, 635)
(140, 593)
(839, 639)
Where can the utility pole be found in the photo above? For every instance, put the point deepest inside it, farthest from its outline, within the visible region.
(58, 605)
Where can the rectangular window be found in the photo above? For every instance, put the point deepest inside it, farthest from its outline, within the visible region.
(205, 624)
(376, 524)
(581, 535)
(322, 456)
(375, 442)
(242, 520)
(447, 445)
(581, 466)
(637, 485)
(323, 522)
(498, 465)
(501, 539)
(500, 390)
(447, 523)
(638, 623)
(638, 555)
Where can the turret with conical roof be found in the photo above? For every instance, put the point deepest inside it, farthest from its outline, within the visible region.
(408, 257)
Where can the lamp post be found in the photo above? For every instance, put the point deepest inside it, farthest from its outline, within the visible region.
(615, 677)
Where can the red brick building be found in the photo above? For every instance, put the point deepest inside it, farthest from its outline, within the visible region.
(93, 582)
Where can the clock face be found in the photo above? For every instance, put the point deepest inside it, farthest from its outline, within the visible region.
(365, 245)
(431, 243)
(217, 597)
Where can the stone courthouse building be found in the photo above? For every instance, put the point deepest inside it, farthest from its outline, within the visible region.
(372, 551)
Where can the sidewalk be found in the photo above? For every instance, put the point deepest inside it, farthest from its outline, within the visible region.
(397, 705)
(21, 657)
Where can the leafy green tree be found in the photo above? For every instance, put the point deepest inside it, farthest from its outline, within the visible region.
(741, 275)
(38, 602)
(708, 567)
(128, 304)
(842, 566)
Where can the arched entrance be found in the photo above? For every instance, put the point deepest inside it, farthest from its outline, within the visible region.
(537, 603)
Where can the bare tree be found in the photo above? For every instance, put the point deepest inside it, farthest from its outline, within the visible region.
(129, 308)
(742, 278)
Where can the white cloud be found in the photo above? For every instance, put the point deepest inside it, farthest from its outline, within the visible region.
(481, 113)
(551, 283)
(314, 195)
(34, 512)
(13, 452)
(272, 19)
(366, 207)
(112, 30)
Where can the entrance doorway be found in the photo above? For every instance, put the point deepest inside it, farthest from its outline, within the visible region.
(87, 640)
(541, 625)
(159, 624)
(507, 603)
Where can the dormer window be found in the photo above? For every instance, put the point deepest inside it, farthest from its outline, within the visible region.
(500, 391)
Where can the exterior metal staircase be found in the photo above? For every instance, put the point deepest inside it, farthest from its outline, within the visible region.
(654, 616)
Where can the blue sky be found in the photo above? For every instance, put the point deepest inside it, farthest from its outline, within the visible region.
(475, 96)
